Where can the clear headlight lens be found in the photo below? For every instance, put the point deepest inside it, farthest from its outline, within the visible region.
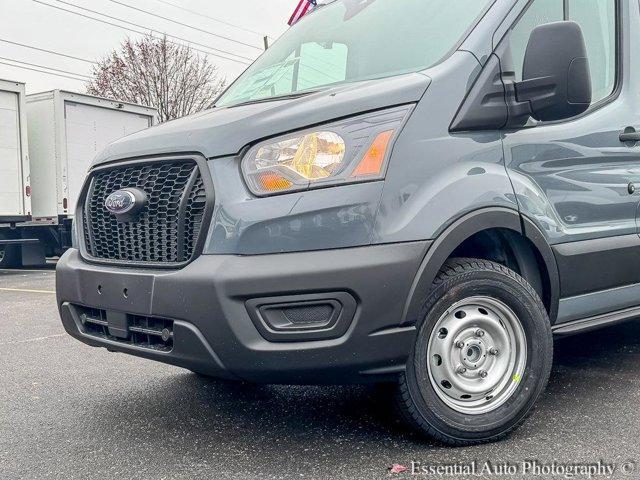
(312, 156)
(349, 151)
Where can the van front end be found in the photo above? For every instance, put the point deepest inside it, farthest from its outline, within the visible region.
(147, 283)
(194, 261)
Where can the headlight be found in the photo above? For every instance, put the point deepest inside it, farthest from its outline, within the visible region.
(349, 151)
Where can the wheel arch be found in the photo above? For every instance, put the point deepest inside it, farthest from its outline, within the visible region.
(529, 249)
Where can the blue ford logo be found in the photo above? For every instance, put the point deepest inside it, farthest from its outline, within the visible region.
(120, 202)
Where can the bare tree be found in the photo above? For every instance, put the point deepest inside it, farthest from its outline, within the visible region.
(154, 71)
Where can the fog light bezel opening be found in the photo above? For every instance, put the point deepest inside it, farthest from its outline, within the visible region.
(269, 316)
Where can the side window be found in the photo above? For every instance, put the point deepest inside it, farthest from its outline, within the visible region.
(597, 18)
(541, 12)
(321, 64)
(598, 21)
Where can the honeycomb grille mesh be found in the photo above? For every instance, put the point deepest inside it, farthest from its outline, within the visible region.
(309, 314)
(167, 230)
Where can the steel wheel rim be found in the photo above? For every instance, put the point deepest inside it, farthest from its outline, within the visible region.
(476, 355)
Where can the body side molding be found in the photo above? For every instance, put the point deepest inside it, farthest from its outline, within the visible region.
(598, 264)
(595, 322)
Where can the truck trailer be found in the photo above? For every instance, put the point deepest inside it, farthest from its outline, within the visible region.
(66, 131)
(15, 189)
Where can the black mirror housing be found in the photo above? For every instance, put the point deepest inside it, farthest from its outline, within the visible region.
(556, 80)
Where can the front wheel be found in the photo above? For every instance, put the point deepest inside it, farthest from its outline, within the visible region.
(482, 356)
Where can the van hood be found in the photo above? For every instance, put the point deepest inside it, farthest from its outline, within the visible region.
(226, 131)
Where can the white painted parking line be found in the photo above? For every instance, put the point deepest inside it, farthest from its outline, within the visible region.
(25, 290)
(37, 339)
(3, 270)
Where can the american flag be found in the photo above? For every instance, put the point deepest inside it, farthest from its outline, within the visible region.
(304, 7)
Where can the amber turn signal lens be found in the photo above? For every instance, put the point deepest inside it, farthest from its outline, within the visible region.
(272, 182)
(373, 160)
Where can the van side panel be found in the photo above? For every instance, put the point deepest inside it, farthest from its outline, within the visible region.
(578, 183)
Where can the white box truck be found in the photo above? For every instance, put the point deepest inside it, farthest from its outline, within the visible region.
(15, 201)
(66, 131)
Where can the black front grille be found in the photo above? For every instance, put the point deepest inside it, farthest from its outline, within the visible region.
(166, 232)
(145, 332)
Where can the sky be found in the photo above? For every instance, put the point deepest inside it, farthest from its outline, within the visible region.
(234, 28)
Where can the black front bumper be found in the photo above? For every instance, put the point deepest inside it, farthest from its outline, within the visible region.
(210, 299)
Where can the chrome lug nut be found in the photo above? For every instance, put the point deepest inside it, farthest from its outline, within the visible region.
(460, 344)
(493, 351)
(483, 374)
(479, 333)
(461, 370)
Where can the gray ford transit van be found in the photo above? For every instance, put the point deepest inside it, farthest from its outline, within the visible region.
(416, 191)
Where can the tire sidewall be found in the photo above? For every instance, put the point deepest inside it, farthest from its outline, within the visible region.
(529, 310)
(9, 256)
(11, 253)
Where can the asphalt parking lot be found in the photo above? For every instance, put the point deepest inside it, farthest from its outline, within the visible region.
(71, 411)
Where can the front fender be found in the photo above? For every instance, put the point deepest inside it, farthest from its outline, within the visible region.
(464, 228)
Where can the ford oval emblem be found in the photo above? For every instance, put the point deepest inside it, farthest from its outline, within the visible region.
(120, 202)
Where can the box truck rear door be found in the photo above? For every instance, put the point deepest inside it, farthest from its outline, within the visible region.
(89, 129)
(11, 199)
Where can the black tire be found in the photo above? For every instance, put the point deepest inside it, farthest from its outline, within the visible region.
(9, 255)
(418, 402)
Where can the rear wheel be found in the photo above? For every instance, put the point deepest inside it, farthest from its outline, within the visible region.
(482, 357)
(9, 255)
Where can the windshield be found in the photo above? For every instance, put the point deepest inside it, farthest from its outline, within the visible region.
(353, 40)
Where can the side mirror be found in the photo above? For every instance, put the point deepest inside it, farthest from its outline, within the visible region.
(556, 81)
